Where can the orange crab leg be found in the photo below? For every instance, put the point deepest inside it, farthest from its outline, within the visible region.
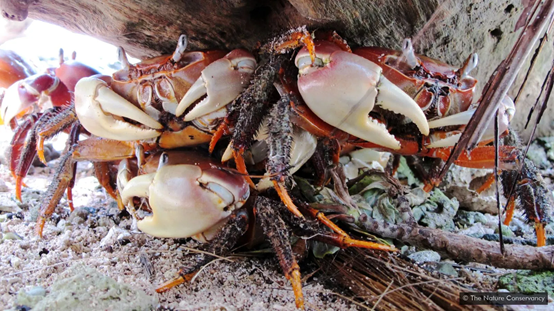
(63, 179)
(509, 212)
(541, 235)
(18, 165)
(487, 184)
(178, 280)
(241, 166)
(59, 121)
(102, 172)
(40, 149)
(294, 40)
(222, 129)
(70, 198)
(480, 157)
(295, 279)
(285, 198)
(341, 238)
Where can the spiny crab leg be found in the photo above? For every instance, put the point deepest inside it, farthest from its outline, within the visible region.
(206, 197)
(222, 81)
(97, 107)
(506, 109)
(342, 88)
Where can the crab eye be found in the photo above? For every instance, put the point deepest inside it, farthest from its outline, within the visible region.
(247, 65)
(304, 63)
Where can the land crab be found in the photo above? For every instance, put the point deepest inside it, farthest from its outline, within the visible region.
(31, 100)
(141, 104)
(344, 98)
(133, 114)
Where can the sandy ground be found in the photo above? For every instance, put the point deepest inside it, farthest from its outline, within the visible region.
(94, 236)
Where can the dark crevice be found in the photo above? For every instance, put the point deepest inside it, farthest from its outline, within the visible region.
(497, 33)
(260, 14)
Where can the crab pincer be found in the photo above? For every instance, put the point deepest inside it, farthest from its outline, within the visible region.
(222, 81)
(207, 195)
(342, 89)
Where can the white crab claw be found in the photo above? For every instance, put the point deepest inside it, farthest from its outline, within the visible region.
(222, 81)
(461, 118)
(506, 110)
(186, 200)
(344, 88)
(11, 104)
(30, 93)
(96, 105)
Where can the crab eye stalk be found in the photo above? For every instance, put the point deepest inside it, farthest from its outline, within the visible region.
(408, 53)
(305, 65)
(180, 49)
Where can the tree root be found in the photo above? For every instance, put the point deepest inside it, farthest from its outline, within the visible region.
(464, 248)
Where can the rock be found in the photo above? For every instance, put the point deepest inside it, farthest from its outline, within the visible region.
(404, 171)
(528, 282)
(437, 212)
(81, 287)
(425, 256)
(30, 296)
(447, 268)
(466, 218)
(537, 154)
(548, 144)
(506, 231)
(7, 205)
(3, 186)
(11, 236)
(78, 216)
(477, 230)
(462, 184)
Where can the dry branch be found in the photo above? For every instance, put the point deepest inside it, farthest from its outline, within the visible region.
(464, 248)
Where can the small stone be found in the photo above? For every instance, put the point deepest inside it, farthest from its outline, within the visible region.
(506, 231)
(78, 216)
(425, 256)
(466, 218)
(106, 222)
(37, 291)
(88, 287)
(25, 245)
(31, 296)
(61, 224)
(12, 236)
(15, 262)
(7, 205)
(3, 186)
(447, 268)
